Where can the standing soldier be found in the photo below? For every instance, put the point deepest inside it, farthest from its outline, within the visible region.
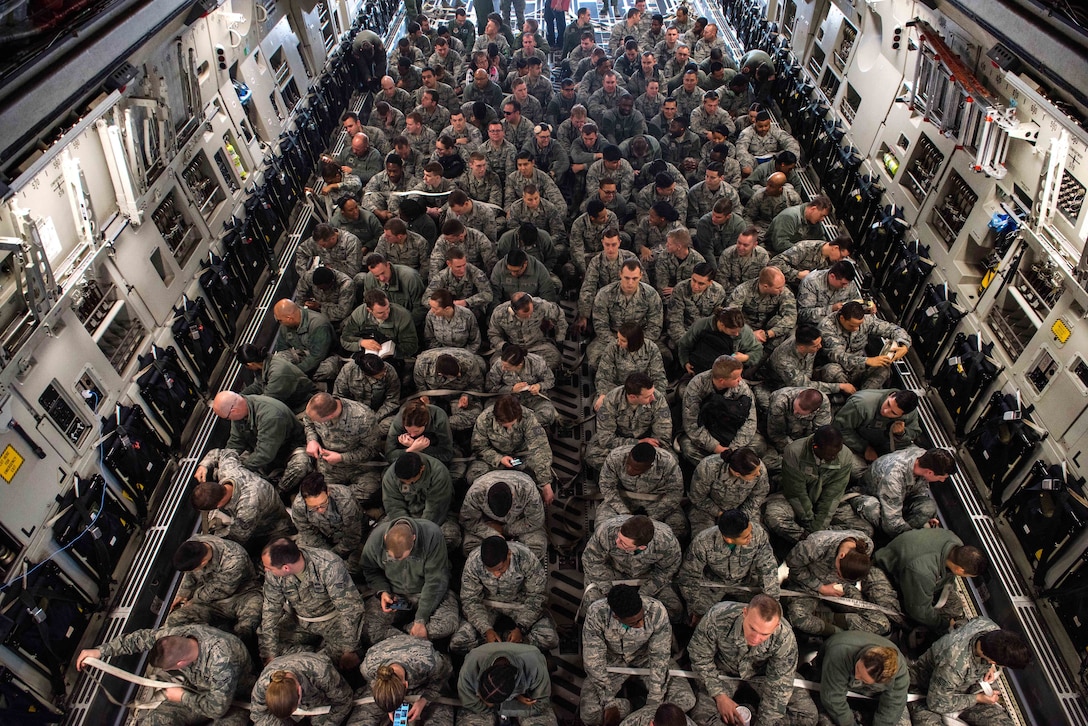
(627, 630)
(316, 585)
(506, 503)
(213, 666)
(728, 562)
(300, 681)
(403, 669)
(503, 589)
(750, 643)
(219, 584)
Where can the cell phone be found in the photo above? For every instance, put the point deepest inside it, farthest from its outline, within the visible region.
(400, 716)
(515, 462)
(400, 604)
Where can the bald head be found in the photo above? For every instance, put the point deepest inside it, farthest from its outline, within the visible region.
(777, 180)
(287, 313)
(230, 405)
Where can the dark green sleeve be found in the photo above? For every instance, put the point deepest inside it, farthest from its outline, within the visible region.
(838, 669)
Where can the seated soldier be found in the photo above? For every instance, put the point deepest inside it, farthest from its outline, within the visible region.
(505, 437)
(629, 354)
(401, 669)
(742, 259)
(768, 306)
(306, 339)
(831, 564)
(627, 300)
(791, 365)
(421, 428)
(308, 592)
(627, 629)
(733, 479)
(723, 332)
(339, 437)
(824, 292)
(523, 320)
(729, 561)
(719, 412)
(633, 547)
(805, 257)
(457, 370)
(642, 478)
(503, 592)
(527, 376)
(449, 325)
(405, 561)
(368, 379)
(952, 668)
(695, 297)
(378, 322)
(602, 269)
(219, 586)
(846, 335)
(466, 282)
(630, 414)
(242, 506)
(518, 272)
(326, 291)
(874, 422)
(895, 494)
(418, 486)
(510, 679)
(815, 472)
(306, 681)
(275, 377)
(327, 516)
(505, 503)
(870, 666)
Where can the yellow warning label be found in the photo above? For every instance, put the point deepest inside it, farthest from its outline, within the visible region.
(1061, 331)
(10, 461)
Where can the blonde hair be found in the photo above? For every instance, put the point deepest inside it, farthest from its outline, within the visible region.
(388, 688)
(281, 697)
(881, 663)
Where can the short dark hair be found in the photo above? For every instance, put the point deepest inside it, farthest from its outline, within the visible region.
(807, 334)
(639, 529)
(636, 383)
(939, 461)
(282, 551)
(827, 437)
(493, 551)
(190, 554)
(906, 400)
(624, 601)
(733, 522)
(971, 559)
(312, 484)
(1005, 648)
(408, 465)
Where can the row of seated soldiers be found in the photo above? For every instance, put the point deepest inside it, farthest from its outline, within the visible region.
(782, 431)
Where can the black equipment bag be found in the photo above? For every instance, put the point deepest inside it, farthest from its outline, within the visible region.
(881, 239)
(842, 177)
(810, 116)
(95, 527)
(223, 291)
(933, 321)
(198, 338)
(42, 619)
(825, 150)
(965, 377)
(21, 706)
(168, 389)
(906, 275)
(1002, 442)
(861, 203)
(708, 347)
(134, 452)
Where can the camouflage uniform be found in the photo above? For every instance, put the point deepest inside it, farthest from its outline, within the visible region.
(381, 395)
(427, 498)
(862, 426)
(546, 217)
(322, 685)
(474, 288)
(227, 588)
(254, 511)
(422, 579)
(533, 682)
(506, 327)
(526, 440)
(701, 121)
(515, 188)
(715, 489)
(426, 670)
(220, 674)
(336, 303)
(606, 642)
(687, 102)
(534, 371)
(617, 363)
(612, 308)
(405, 288)
(784, 426)
(604, 564)
(816, 298)
(585, 238)
(811, 491)
(734, 269)
(309, 344)
(378, 192)
(807, 255)
(696, 441)
(600, 272)
(762, 209)
(351, 435)
(759, 176)
(524, 523)
(414, 253)
(722, 659)
(839, 658)
(670, 270)
(519, 593)
(483, 215)
(501, 160)
(846, 351)
(657, 491)
(915, 562)
(323, 588)
(949, 671)
(685, 308)
(342, 256)
(750, 145)
(282, 380)
(471, 379)
(790, 227)
(339, 529)
(788, 367)
(812, 563)
(701, 200)
(623, 175)
(488, 189)
(766, 312)
(620, 424)
(648, 196)
(460, 331)
(894, 499)
(399, 327)
(714, 570)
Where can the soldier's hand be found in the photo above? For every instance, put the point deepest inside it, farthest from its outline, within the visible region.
(651, 441)
(313, 449)
(405, 440)
(332, 457)
(933, 524)
(870, 453)
(416, 711)
(878, 361)
(201, 474)
(761, 335)
(419, 444)
(178, 602)
(666, 291)
(462, 402)
(535, 389)
(418, 630)
(689, 368)
(85, 654)
(372, 345)
(525, 700)
(899, 428)
(830, 590)
(991, 699)
(694, 619)
(312, 305)
(547, 495)
(520, 386)
(742, 357)
(174, 694)
(387, 602)
(848, 388)
(727, 709)
(598, 402)
(515, 636)
(492, 637)
(507, 461)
